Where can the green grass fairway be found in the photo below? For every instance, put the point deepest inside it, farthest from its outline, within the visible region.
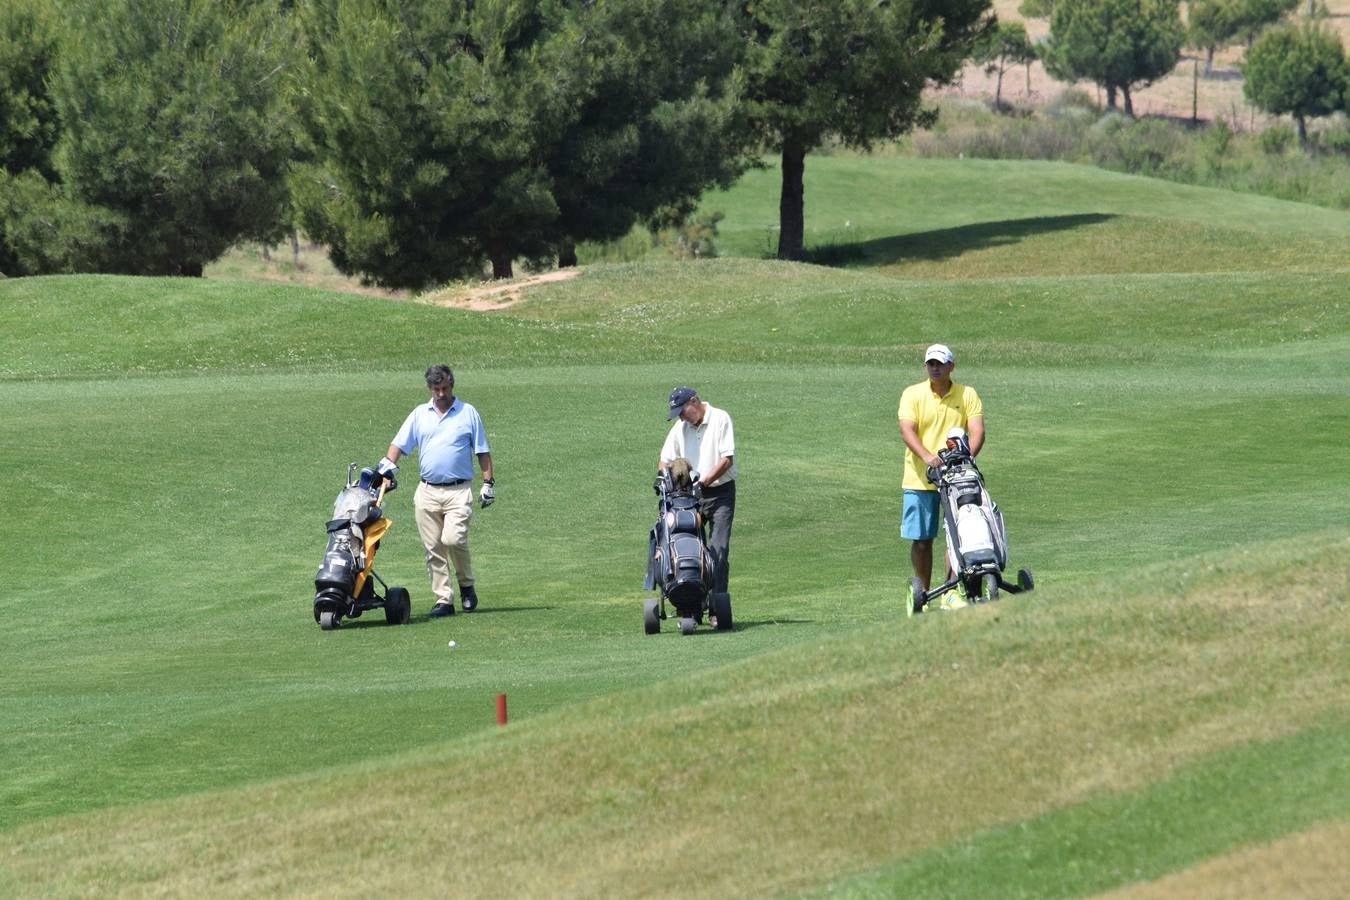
(1166, 711)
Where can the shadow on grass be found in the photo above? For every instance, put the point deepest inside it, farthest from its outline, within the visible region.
(740, 625)
(745, 625)
(377, 621)
(946, 243)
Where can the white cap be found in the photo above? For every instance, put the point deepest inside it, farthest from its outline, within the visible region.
(940, 352)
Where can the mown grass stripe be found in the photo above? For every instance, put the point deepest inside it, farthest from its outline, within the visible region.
(1250, 794)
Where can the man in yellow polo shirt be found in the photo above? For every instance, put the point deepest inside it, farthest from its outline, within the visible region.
(928, 410)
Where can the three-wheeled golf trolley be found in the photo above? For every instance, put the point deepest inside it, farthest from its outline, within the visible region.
(977, 544)
(345, 583)
(678, 562)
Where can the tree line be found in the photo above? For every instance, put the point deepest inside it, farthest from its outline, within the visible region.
(1122, 45)
(420, 140)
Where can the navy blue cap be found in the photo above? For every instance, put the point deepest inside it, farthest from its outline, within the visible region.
(678, 398)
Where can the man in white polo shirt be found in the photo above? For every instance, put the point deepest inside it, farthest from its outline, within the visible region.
(448, 433)
(704, 437)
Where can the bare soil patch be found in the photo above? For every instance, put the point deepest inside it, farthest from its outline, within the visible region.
(309, 266)
(489, 297)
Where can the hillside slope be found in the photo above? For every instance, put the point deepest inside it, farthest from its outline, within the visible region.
(996, 218)
(981, 749)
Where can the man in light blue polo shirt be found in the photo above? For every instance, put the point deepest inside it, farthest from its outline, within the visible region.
(447, 433)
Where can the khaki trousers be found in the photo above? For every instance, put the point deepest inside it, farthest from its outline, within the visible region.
(443, 515)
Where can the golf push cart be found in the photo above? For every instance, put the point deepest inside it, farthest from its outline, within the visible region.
(678, 564)
(345, 583)
(977, 544)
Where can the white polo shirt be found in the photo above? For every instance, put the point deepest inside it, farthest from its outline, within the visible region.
(703, 445)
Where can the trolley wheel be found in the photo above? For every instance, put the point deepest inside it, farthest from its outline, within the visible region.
(687, 625)
(651, 616)
(328, 620)
(916, 598)
(397, 606)
(721, 609)
(1024, 580)
(988, 587)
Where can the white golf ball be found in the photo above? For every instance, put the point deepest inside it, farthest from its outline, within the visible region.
(451, 644)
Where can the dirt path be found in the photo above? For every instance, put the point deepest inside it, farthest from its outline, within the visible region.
(498, 296)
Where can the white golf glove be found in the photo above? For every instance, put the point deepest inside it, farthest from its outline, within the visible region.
(486, 494)
(386, 467)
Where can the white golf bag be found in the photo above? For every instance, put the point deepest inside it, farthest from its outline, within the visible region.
(977, 543)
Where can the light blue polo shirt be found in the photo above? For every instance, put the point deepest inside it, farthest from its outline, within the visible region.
(446, 444)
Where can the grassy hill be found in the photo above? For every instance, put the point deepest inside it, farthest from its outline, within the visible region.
(990, 218)
(1165, 442)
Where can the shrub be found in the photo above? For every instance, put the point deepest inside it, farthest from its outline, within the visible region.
(1073, 101)
(694, 239)
(1214, 156)
(44, 231)
(1141, 147)
(1218, 138)
(833, 253)
(1335, 141)
(633, 246)
(1215, 146)
(1277, 139)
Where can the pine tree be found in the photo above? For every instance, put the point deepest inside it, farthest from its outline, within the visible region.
(1005, 46)
(1299, 70)
(853, 70)
(174, 120)
(28, 122)
(1119, 44)
(505, 129)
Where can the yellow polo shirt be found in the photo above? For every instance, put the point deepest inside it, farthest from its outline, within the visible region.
(933, 417)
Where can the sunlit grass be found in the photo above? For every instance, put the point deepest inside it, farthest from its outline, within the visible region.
(976, 218)
(1166, 449)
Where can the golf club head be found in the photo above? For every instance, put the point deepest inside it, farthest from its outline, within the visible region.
(958, 440)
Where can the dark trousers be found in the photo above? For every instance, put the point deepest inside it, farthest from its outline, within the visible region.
(719, 508)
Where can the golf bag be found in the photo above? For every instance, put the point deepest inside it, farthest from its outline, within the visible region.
(345, 582)
(971, 520)
(678, 563)
(977, 542)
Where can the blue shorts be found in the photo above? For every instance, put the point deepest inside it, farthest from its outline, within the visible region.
(919, 521)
